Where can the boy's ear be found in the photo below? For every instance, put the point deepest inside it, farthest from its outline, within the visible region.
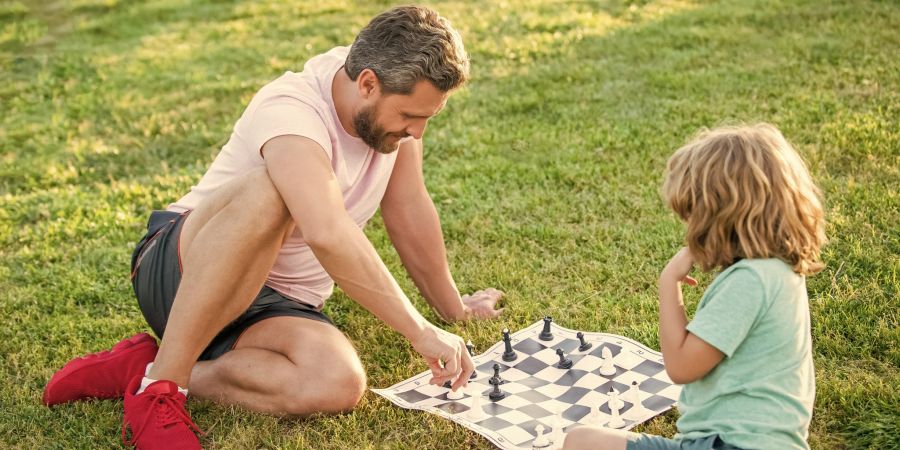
(367, 83)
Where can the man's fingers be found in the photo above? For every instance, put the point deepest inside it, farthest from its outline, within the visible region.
(467, 366)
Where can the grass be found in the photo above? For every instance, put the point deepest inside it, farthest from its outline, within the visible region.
(545, 170)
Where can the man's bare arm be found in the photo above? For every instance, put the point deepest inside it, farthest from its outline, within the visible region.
(415, 230)
(303, 176)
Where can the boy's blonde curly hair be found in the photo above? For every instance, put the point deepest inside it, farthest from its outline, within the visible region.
(744, 192)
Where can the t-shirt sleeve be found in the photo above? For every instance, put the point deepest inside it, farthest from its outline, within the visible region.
(725, 319)
(284, 115)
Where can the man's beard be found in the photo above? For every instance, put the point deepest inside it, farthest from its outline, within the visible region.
(371, 133)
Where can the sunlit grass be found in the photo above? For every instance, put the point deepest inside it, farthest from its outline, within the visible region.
(545, 169)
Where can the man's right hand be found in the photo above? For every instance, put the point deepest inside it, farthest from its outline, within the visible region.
(446, 355)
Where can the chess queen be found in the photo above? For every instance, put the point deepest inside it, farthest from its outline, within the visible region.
(752, 213)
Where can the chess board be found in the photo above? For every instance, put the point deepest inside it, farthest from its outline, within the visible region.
(540, 393)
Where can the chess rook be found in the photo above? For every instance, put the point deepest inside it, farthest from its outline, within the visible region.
(564, 363)
(584, 344)
(546, 334)
(509, 354)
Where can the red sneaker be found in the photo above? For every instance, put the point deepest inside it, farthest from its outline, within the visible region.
(157, 418)
(101, 375)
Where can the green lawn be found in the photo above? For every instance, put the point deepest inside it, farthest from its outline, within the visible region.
(545, 169)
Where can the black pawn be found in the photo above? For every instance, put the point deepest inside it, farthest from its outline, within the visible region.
(497, 374)
(496, 394)
(471, 348)
(447, 384)
(584, 344)
(509, 354)
(564, 363)
(546, 334)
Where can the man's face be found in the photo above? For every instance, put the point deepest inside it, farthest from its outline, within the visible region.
(387, 119)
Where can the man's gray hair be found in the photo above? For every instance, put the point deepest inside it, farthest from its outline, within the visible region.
(407, 44)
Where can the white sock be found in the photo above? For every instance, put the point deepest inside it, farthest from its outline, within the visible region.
(148, 381)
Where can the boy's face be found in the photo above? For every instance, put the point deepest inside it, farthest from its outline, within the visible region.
(386, 119)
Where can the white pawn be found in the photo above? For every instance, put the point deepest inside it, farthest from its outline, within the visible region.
(455, 395)
(595, 417)
(614, 406)
(476, 412)
(633, 395)
(608, 368)
(540, 441)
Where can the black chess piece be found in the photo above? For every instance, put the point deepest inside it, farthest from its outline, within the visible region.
(584, 344)
(564, 363)
(497, 373)
(471, 348)
(496, 394)
(447, 384)
(546, 334)
(509, 354)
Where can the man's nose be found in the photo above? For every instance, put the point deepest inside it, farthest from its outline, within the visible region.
(417, 129)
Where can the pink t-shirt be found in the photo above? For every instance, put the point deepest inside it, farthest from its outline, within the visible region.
(301, 104)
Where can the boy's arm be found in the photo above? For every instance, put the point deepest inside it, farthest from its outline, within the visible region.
(687, 357)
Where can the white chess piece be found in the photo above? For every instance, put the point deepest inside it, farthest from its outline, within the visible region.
(556, 434)
(614, 406)
(455, 395)
(608, 368)
(476, 412)
(614, 400)
(595, 417)
(540, 441)
(633, 395)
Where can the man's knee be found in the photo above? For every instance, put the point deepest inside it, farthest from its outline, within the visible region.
(337, 388)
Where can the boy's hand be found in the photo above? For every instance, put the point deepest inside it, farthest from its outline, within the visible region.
(679, 267)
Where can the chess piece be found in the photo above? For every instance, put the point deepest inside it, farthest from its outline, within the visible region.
(497, 374)
(476, 412)
(471, 347)
(540, 441)
(584, 344)
(614, 406)
(614, 399)
(496, 394)
(557, 436)
(447, 384)
(595, 417)
(633, 395)
(455, 395)
(564, 363)
(509, 354)
(608, 368)
(546, 334)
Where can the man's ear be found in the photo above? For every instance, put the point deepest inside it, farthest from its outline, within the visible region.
(367, 83)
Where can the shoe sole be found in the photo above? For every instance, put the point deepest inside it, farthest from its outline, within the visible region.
(138, 342)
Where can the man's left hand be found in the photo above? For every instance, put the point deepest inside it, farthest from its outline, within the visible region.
(482, 304)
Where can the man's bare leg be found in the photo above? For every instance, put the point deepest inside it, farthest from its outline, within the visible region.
(285, 366)
(227, 246)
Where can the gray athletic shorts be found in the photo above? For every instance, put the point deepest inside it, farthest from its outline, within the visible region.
(156, 274)
(653, 442)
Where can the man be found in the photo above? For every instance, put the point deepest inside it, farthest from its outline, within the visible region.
(232, 277)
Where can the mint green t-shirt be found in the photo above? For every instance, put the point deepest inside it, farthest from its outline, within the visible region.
(761, 395)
